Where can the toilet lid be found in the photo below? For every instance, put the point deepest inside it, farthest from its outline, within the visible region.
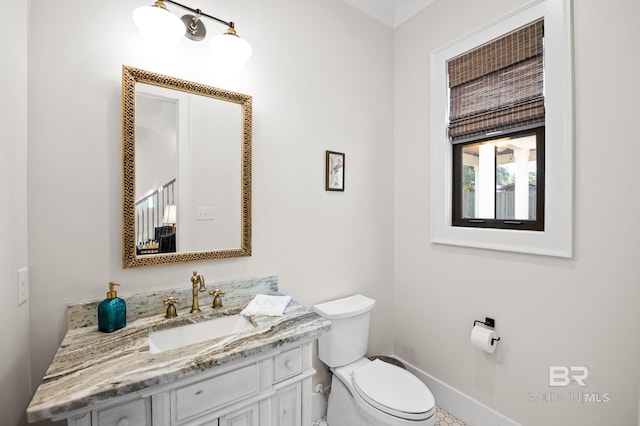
(393, 390)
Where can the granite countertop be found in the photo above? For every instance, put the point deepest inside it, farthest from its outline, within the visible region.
(91, 367)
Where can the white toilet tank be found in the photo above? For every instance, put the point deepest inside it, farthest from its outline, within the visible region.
(347, 340)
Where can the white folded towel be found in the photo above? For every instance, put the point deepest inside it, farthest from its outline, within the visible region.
(263, 304)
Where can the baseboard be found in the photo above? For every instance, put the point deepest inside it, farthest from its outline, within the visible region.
(462, 406)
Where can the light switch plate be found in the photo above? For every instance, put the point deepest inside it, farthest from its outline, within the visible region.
(23, 285)
(204, 213)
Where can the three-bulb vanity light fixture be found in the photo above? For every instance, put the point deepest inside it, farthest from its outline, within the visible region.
(157, 23)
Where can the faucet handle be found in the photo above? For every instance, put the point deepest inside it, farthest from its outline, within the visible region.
(217, 300)
(171, 310)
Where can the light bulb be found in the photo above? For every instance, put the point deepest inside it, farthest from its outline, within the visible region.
(158, 24)
(230, 48)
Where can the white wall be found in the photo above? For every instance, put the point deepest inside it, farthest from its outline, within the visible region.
(548, 311)
(156, 141)
(15, 370)
(320, 80)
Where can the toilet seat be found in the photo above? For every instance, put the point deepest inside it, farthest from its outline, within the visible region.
(393, 390)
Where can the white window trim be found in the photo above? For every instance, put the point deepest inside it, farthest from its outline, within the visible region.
(557, 238)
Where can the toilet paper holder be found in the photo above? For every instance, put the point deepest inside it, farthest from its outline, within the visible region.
(489, 322)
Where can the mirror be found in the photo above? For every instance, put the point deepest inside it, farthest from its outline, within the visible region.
(186, 171)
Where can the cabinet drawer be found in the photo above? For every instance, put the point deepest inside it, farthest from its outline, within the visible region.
(287, 364)
(134, 413)
(215, 392)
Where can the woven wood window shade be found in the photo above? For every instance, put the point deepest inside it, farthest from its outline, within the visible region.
(498, 86)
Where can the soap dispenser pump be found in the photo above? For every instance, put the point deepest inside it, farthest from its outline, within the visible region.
(112, 312)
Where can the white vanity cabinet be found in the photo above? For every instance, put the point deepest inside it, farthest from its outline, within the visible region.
(267, 389)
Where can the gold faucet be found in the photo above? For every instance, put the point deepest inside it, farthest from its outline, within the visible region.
(195, 281)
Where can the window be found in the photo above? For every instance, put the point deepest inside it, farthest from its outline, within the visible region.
(496, 90)
(552, 126)
(499, 182)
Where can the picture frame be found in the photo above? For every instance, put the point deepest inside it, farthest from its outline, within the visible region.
(334, 171)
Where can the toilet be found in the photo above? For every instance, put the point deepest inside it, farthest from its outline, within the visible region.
(365, 392)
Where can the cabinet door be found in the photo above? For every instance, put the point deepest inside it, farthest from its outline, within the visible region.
(285, 406)
(247, 416)
(134, 413)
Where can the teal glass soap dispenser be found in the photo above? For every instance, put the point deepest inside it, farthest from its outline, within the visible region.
(112, 312)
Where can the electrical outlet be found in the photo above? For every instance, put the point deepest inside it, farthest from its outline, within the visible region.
(23, 285)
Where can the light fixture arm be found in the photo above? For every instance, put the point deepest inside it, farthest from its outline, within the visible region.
(198, 12)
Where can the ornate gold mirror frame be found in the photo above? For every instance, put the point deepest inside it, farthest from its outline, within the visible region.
(130, 258)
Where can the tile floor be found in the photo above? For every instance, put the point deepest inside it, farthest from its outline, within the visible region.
(442, 419)
(445, 419)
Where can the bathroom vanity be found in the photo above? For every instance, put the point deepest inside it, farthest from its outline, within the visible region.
(260, 375)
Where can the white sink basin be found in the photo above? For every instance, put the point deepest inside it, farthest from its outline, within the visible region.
(172, 338)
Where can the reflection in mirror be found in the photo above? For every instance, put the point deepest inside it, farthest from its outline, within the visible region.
(184, 142)
(187, 171)
(156, 168)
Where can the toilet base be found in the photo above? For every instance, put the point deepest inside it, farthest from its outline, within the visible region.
(342, 410)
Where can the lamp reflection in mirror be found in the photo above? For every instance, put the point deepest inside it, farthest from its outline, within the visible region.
(169, 217)
(158, 24)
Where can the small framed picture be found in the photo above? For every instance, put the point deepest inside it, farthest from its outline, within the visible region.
(335, 171)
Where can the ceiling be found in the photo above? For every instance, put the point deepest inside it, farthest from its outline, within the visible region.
(392, 13)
